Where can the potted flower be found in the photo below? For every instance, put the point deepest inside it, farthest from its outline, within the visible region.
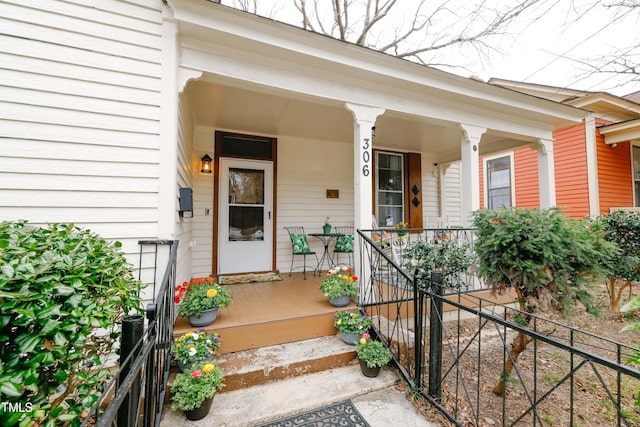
(372, 355)
(402, 228)
(351, 324)
(339, 286)
(201, 301)
(194, 348)
(326, 228)
(192, 392)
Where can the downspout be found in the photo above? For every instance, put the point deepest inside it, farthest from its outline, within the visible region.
(592, 165)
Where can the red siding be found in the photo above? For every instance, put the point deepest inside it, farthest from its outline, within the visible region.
(615, 179)
(570, 158)
(526, 177)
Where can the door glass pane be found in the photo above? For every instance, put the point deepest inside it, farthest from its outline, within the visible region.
(246, 204)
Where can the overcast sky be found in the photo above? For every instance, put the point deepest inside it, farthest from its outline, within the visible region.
(538, 51)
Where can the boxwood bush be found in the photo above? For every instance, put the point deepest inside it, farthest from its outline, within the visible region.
(63, 292)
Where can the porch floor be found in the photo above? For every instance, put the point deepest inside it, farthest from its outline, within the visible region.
(269, 313)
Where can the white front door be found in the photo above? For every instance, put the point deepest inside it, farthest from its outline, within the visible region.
(245, 216)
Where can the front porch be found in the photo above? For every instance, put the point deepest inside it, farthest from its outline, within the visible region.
(270, 313)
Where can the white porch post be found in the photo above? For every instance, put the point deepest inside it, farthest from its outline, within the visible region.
(470, 174)
(364, 120)
(546, 174)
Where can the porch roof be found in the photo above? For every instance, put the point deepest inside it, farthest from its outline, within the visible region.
(242, 71)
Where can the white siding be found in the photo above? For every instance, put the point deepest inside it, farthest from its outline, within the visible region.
(302, 189)
(453, 193)
(80, 115)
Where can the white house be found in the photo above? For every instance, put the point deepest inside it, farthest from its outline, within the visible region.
(107, 107)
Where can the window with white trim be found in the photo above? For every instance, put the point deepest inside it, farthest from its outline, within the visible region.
(499, 182)
(636, 175)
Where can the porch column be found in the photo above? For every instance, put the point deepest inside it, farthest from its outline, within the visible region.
(470, 173)
(546, 174)
(364, 121)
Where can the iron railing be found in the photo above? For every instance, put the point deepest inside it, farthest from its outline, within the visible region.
(454, 347)
(136, 394)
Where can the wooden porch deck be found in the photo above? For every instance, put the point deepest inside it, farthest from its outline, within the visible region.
(270, 313)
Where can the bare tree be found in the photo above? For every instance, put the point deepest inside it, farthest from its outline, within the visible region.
(422, 31)
(621, 64)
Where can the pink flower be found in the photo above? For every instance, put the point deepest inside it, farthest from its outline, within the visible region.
(366, 336)
(196, 374)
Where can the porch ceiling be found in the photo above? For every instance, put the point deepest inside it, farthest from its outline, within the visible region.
(266, 112)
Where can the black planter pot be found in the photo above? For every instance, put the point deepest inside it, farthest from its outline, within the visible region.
(200, 412)
(367, 371)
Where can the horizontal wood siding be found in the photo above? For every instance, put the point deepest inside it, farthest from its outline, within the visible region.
(80, 115)
(302, 189)
(526, 178)
(453, 194)
(570, 157)
(615, 175)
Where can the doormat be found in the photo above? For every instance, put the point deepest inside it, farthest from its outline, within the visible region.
(248, 278)
(337, 414)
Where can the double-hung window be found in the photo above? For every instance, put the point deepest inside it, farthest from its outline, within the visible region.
(499, 182)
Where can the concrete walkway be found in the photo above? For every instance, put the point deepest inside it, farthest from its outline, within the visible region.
(377, 399)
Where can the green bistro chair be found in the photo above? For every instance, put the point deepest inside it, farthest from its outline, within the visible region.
(300, 247)
(344, 244)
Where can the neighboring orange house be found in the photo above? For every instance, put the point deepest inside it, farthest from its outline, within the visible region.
(597, 163)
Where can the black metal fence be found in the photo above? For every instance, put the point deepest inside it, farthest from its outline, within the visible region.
(136, 394)
(456, 349)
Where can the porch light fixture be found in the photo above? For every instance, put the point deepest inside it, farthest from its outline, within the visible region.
(205, 164)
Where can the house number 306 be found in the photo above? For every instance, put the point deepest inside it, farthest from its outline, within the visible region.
(366, 157)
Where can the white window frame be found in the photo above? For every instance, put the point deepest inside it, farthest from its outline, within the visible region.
(512, 176)
(377, 187)
(636, 175)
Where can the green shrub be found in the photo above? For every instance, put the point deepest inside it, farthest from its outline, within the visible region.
(622, 229)
(544, 255)
(549, 259)
(58, 287)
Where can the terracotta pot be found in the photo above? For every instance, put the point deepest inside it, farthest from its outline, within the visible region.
(207, 317)
(200, 412)
(367, 371)
(340, 301)
(350, 338)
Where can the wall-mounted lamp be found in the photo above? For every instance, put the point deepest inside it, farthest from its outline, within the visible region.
(205, 164)
(373, 132)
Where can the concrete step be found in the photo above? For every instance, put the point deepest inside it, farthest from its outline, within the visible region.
(277, 362)
(267, 402)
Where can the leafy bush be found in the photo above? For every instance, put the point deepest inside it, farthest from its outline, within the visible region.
(623, 229)
(544, 255)
(448, 257)
(58, 286)
(550, 260)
